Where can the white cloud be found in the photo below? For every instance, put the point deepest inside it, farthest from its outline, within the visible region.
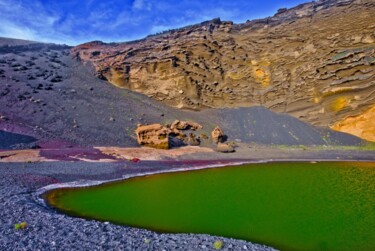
(37, 20)
(11, 30)
(141, 5)
(30, 21)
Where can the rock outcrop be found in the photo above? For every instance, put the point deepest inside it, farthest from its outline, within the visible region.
(217, 135)
(155, 135)
(314, 61)
(192, 140)
(165, 137)
(362, 125)
(185, 125)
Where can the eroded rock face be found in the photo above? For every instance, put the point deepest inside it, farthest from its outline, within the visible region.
(362, 125)
(314, 61)
(169, 136)
(154, 135)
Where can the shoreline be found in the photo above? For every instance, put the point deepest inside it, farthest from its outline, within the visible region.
(22, 185)
(83, 183)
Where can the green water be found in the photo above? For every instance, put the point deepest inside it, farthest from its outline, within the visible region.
(290, 206)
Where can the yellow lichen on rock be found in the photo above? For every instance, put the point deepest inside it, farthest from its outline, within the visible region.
(362, 125)
(339, 103)
(234, 75)
(262, 77)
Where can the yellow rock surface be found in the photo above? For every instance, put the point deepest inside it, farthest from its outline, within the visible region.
(362, 125)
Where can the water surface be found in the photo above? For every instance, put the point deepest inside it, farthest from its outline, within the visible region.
(290, 206)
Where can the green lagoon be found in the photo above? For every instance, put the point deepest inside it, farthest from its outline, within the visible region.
(287, 205)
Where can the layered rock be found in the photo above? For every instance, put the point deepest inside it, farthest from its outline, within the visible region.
(155, 135)
(312, 61)
(165, 137)
(362, 125)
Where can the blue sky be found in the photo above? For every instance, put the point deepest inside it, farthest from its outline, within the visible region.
(77, 21)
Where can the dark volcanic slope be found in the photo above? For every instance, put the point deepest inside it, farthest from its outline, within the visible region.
(260, 125)
(42, 88)
(61, 98)
(14, 140)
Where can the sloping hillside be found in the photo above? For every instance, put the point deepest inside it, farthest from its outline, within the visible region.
(52, 96)
(314, 62)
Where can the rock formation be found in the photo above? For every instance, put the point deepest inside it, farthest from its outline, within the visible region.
(192, 140)
(224, 148)
(217, 135)
(165, 137)
(314, 61)
(155, 135)
(185, 125)
(362, 125)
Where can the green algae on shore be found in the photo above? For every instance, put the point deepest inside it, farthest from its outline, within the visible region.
(289, 205)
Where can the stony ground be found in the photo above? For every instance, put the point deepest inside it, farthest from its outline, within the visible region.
(49, 230)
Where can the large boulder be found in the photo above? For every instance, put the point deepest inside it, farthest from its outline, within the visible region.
(155, 135)
(217, 135)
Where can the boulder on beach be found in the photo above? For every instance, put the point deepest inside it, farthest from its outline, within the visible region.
(224, 148)
(217, 135)
(155, 135)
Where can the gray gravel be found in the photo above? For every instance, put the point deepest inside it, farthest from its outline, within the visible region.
(49, 230)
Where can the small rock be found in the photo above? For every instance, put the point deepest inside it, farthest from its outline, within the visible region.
(4, 118)
(224, 148)
(185, 125)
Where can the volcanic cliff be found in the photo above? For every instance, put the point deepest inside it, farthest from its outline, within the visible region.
(314, 61)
